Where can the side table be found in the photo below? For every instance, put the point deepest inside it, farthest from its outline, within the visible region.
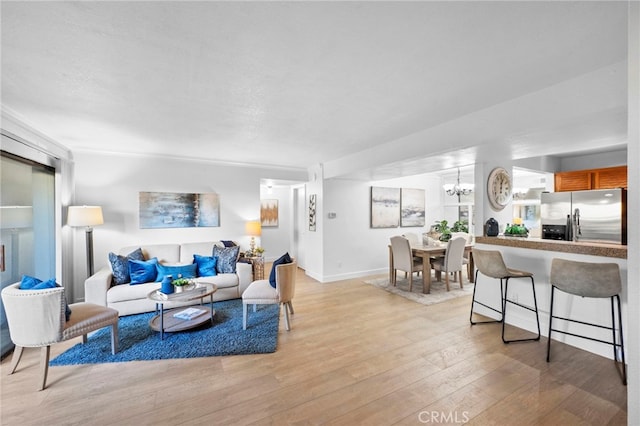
(258, 267)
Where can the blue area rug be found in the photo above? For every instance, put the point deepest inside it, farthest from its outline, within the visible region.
(137, 342)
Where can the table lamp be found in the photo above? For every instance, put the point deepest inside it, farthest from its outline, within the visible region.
(254, 229)
(87, 217)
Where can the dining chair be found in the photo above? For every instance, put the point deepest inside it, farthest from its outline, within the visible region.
(465, 258)
(36, 318)
(414, 240)
(404, 260)
(261, 292)
(451, 262)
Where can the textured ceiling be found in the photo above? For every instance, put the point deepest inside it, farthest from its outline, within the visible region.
(292, 84)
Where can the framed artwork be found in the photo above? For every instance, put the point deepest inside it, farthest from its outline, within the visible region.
(2, 266)
(312, 212)
(178, 210)
(412, 207)
(385, 207)
(269, 213)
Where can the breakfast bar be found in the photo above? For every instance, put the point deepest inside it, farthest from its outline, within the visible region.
(536, 255)
(573, 247)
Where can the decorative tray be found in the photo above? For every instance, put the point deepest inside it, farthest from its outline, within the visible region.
(191, 290)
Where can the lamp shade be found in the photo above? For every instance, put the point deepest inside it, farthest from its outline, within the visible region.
(84, 216)
(253, 228)
(14, 217)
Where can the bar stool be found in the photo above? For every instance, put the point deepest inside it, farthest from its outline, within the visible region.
(491, 264)
(595, 280)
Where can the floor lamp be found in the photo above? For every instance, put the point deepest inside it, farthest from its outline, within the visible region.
(87, 217)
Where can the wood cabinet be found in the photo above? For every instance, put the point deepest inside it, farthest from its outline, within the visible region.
(572, 181)
(614, 177)
(610, 177)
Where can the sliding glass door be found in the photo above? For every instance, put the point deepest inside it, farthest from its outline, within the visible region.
(27, 222)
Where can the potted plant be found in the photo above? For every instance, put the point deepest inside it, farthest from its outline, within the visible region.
(180, 284)
(443, 229)
(516, 230)
(460, 226)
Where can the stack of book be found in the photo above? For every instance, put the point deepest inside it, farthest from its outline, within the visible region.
(189, 313)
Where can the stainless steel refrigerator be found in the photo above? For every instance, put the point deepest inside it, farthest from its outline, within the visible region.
(594, 216)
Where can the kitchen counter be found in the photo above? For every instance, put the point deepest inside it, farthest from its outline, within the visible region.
(536, 256)
(588, 248)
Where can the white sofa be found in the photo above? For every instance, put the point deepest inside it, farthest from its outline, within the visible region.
(130, 299)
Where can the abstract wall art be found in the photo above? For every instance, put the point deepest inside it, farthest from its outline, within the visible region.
(312, 212)
(412, 207)
(385, 207)
(178, 210)
(269, 213)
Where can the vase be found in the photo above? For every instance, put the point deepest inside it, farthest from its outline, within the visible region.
(179, 288)
(167, 284)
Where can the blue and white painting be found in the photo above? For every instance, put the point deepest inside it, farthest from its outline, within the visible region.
(179, 210)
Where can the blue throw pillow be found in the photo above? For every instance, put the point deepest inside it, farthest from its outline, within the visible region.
(120, 265)
(45, 284)
(27, 282)
(176, 271)
(285, 258)
(32, 283)
(206, 265)
(227, 258)
(143, 271)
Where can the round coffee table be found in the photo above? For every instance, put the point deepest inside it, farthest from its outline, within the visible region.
(165, 321)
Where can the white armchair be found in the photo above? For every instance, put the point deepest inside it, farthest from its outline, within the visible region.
(37, 319)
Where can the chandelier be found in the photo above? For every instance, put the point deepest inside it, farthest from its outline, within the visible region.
(458, 189)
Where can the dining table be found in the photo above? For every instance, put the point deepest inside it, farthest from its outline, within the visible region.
(427, 252)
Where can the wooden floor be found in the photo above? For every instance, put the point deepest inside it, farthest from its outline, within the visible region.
(356, 355)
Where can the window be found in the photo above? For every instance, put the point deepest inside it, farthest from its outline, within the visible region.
(27, 225)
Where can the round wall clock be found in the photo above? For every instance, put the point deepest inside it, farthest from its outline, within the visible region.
(499, 188)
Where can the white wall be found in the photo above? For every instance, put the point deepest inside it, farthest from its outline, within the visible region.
(633, 205)
(276, 240)
(594, 161)
(351, 247)
(115, 181)
(312, 241)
